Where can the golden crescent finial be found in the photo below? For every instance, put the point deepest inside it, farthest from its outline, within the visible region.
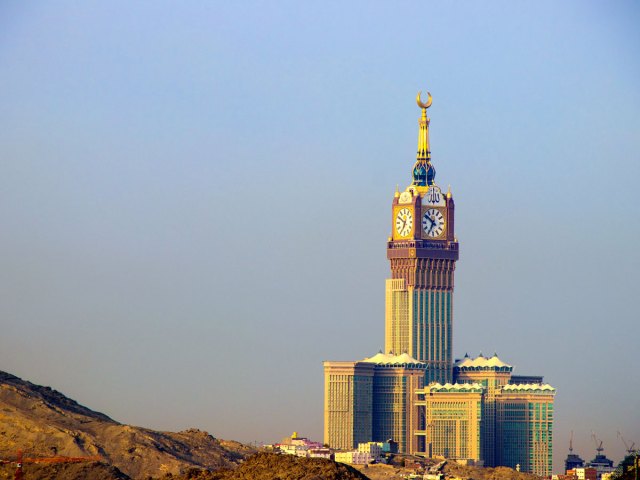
(424, 105)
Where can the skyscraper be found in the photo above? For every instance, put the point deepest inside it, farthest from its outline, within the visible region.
(422, 251)
(524, 427)
(474, 409)
(372, 400)
(451, 418)
(493, 373)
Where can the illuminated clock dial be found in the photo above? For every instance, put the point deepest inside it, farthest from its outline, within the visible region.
(404, 222)
(433, 223)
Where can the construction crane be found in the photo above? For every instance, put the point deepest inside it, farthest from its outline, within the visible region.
(599, 448)
(571, 443)
(630, 449)
(21, 460)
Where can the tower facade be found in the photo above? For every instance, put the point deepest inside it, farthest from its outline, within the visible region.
(450, 421)
(422, 251)
(348, 403)
(472, 410)
(494, 374)
(524, 427)
(371, 400)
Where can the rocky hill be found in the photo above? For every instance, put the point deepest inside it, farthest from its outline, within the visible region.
(271, 466)
(451, 471)
(43, 422)
(65, 471)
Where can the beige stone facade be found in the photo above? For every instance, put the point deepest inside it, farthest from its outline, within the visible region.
(371, 400)
(348, 403)
(451, 421)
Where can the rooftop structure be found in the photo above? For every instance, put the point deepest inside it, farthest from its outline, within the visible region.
(482, 363)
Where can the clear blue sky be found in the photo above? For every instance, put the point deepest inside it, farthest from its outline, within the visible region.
(195, 199)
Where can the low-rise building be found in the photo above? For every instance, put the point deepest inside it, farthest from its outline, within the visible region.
(353, 457)
(583, 473)
(300, 446)
(373, 448)
(320, 453)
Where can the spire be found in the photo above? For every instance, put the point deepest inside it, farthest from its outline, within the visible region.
(423, 172)
(424, 153)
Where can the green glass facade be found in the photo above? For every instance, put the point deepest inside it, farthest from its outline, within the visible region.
(525, 430)
(432, 327)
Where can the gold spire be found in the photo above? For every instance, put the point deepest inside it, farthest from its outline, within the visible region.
(397, 194)
(424, 152)
(449, 192)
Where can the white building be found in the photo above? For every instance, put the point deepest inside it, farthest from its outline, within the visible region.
(354, 457)
(373, 448)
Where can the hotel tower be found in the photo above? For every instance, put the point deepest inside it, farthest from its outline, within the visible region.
(414, 393)
(423, 251)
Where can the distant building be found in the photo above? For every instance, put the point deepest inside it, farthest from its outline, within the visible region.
(320, 453)
(451, 419)
(601, 464)
(472, 410)
(483, 418)
(348, 403)
(302, 447)
(353, 457)
(371, 400)
(494, 374)
(524, 427)
(582, 473)
(375, 449)
(573, 461)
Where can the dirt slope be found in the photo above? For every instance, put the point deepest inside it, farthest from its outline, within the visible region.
(65, 471)
(43, 422)
(271, 466)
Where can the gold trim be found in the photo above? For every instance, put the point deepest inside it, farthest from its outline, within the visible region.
(424, 152)
(419, 100)
(396, 234)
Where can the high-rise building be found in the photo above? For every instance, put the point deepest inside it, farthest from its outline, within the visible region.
(473, 410)
(422, 251)
(524, 427)
(371, 400)
(573, 460)
(493, 374)
(450, 421)
(348, 403)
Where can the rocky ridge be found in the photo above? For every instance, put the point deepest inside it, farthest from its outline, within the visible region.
(43, 422)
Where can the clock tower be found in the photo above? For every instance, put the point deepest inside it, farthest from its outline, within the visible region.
(423, 251)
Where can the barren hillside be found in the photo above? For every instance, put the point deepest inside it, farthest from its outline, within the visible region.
(43, 422)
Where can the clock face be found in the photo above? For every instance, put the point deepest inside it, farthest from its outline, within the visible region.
(404, 222)
(433, 223)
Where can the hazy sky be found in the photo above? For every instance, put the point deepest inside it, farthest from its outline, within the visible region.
(195, 199)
